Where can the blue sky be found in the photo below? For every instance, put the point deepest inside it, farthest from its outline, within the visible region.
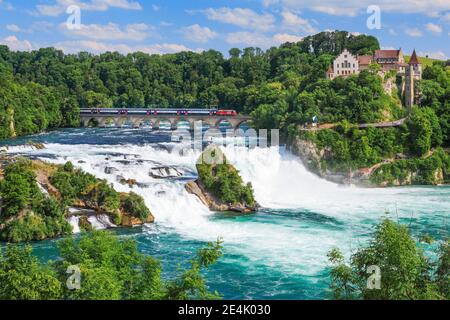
(157, 26)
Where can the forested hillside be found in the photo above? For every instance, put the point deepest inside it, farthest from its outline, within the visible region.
(414, 153)
(44, 89)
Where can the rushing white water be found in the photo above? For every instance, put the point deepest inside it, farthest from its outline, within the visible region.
(295, 244)
(100, 222)
(75, 222)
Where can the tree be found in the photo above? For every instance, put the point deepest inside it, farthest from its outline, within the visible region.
(420, 131)
(405, 271)
(18, 188)
(111, 269)
(22, 277)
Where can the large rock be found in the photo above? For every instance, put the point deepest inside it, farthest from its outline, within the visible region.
(165, 172)
(214, 168)
(111, 170)
(130, 221)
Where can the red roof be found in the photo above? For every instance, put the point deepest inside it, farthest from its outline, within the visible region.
(414, 59)
(330, 70)
(387, 54)
(365, 60)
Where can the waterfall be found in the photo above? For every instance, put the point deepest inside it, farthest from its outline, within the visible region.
(303, 216)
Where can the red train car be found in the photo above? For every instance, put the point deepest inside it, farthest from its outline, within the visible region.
(231, 113)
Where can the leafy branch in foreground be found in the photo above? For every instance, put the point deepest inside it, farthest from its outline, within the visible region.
(406, 273)
(111, 269)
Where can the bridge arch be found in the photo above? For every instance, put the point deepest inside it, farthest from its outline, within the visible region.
(240, 123)
(176, 122)
(146, 122)
(105, 122)
(90, 122)
(166, 121)
(223, 121)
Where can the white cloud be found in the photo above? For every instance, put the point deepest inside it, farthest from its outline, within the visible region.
(13, 28)
(6, 5)
(196, 33)
(293, 22)
(44, 26)
(267, 3)
(61, 6)
(355, 7)
(101, 47)
(15, 44)
(256, 39)
(392, 32)
(284, 37)
(252, 39)
(156, 8)
(439, 55)
(244, 18)
(110, 31)
(446, 17)
(413, 32)
(38, 26)
(434, 28)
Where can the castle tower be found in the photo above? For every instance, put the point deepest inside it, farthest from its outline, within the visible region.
(413, 74)
(416, 65)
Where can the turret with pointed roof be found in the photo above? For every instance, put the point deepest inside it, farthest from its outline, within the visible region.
(414, 60)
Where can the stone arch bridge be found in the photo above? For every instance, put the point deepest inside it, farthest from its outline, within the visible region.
(136, 121)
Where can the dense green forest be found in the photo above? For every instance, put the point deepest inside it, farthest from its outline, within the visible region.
(45, 88)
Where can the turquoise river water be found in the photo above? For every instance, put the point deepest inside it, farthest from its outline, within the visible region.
(277, 253)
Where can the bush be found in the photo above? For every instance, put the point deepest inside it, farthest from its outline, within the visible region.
(224, 181)
(75, 184)
(134, 204)
(18, 188)
(422, 171)
(406, 273)
(111, 269)
(34, 227)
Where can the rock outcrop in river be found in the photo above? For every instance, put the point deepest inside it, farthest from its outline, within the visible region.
(220, 186)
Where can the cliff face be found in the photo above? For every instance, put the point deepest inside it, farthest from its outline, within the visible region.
(312, 157)
(12, 128)
(389, 172)
(197, 188)
(219, 185)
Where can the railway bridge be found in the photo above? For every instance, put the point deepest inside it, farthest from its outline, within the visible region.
(139, 118)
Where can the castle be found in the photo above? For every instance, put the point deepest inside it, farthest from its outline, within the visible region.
(347, 64)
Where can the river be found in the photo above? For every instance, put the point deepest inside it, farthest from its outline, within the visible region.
(278, 253)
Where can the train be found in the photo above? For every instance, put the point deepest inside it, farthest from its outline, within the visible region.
(148, 112)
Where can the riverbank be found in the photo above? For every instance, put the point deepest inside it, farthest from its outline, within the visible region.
(372, 157)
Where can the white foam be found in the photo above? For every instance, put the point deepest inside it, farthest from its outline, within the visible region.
(74, 222)
(293, 244)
